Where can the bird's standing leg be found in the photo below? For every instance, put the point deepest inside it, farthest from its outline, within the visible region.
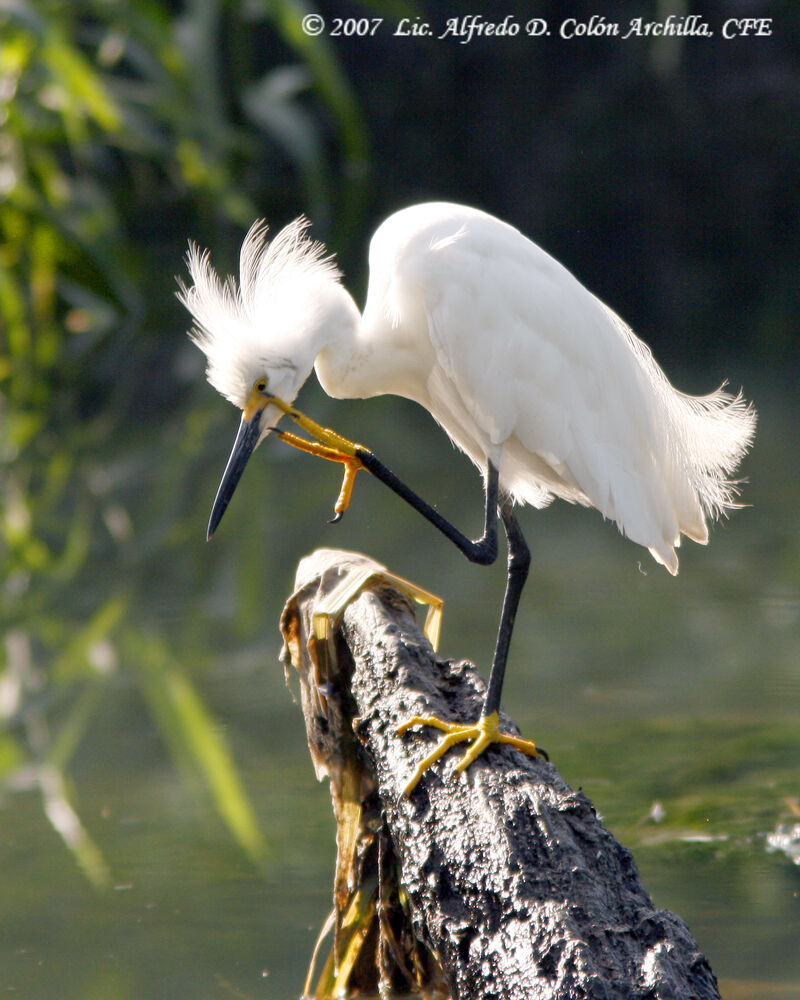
(519, 561)
(487, 729)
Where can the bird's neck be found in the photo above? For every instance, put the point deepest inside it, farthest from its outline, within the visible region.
(342, 359)
(374, 354)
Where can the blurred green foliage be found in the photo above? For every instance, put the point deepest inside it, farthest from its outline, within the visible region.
(121, 122)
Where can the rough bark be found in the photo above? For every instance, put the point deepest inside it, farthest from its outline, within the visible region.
(514, 884)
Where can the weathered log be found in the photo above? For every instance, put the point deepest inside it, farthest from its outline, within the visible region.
(508, 885)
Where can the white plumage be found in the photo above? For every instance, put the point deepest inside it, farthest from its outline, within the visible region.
(517, 361)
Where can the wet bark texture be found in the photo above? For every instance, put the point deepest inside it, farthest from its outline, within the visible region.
(513, 883)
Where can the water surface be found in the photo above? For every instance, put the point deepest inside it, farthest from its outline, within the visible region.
(672, 703)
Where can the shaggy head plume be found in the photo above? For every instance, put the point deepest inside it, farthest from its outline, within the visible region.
(241, 327)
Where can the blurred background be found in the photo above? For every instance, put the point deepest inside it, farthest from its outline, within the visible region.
(161, 831)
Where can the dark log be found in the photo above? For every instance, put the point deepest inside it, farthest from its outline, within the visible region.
(507, 876)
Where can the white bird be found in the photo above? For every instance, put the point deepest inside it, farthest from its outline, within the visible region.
(542, 385)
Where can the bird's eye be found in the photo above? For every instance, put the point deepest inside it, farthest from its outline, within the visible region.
(261, 385)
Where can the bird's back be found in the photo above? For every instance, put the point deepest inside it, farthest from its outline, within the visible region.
(529, 369)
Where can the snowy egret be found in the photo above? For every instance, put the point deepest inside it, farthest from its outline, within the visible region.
(545, 388)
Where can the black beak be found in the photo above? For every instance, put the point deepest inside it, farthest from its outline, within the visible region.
(247, 438)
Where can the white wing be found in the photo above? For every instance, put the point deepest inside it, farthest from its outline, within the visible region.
(534, 371)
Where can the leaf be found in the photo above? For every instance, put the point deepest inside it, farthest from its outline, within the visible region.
(65, 820)
(196, 739)
(79, 85)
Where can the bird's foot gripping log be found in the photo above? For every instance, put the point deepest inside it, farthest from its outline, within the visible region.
(482, 734)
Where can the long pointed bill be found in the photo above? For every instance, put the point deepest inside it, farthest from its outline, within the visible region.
(247, 438)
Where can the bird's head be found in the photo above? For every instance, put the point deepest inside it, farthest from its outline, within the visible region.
(260, 335)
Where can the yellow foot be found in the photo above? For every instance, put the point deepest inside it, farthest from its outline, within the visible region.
(482, 734)
(328, 445)
(324, 435)
(352, 466)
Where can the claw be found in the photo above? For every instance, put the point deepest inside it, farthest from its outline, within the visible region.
(352, 467)
(481, 734)
(330, 446)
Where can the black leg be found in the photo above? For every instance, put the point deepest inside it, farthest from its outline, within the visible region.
(486, 730)
(483, 550)
(519, 560)
(336, 448)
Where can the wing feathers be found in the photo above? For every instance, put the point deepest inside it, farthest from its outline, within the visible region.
(538, 365)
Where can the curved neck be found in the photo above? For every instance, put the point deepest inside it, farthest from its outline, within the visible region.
(342, 357)
(360, 357)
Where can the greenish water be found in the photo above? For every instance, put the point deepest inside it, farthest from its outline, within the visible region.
(675, 704)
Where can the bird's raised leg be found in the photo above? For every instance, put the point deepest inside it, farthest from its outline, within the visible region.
(486, 730)
(482, 550)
